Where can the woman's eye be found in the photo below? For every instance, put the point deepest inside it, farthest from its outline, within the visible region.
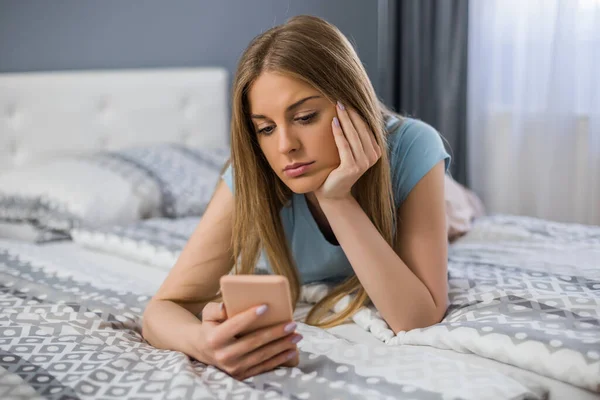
(305, 119)
(267, 130)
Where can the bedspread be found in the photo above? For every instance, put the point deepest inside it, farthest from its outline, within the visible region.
(62, 336)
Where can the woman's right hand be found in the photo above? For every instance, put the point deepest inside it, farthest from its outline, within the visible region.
(217, 342)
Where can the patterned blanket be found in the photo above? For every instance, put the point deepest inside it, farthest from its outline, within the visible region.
(524, 292)
(70, 336)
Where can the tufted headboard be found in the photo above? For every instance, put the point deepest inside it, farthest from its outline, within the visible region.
(47, 113)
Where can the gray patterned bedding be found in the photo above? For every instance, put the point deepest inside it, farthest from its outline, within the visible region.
(523, 292)
(156, 241)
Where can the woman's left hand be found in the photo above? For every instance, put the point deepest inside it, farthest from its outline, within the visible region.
(358, 152)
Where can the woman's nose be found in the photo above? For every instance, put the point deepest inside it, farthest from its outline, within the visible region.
(288, 142)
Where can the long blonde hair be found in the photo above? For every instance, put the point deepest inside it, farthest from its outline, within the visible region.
(316, 52)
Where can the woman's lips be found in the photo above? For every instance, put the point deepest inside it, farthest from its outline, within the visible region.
(300, 170)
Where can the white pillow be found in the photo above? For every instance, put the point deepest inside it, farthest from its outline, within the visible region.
(156, 241)
(27, 232)
(61, 194)
(107, 188)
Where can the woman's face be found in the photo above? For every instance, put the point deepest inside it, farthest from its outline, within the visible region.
(292, 122)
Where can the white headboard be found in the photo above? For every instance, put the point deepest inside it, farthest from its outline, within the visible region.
(70, 111)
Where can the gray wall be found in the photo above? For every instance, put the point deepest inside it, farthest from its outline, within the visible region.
(89, 34)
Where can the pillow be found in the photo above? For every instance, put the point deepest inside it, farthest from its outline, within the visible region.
(110, 187)
(63, 193)
(463, 207)
(27, 232)
(156, 241)
(186, 177)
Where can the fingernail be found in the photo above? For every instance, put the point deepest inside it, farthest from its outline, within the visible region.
(261, 310)
(336, 121)
(296, 338)
(291, 355)
(221, 307)
(290, 327)
(340, 105)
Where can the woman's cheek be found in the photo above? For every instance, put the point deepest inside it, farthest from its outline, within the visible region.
(328, 146)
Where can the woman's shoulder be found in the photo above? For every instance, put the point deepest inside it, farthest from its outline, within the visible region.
(403, 130)
(414, 148)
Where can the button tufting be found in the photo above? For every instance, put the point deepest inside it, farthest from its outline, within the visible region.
(103, 141)
(11, 111)
(187, 107)
(12, 115)
(19, 155)
(184, 136)
(184, 102)
(102, 105)
(13, 146)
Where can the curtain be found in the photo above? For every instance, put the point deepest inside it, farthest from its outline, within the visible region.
(534, 107)
(431, 70)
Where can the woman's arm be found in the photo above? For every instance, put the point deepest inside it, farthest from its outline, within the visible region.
(170, 319)
(408, 286)
(173, 310)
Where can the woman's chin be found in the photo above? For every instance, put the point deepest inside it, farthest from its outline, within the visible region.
(304, 184)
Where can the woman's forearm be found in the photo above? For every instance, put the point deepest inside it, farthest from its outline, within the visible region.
(402, 299)
(167, 325)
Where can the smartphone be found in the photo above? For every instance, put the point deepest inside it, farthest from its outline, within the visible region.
(241, 292)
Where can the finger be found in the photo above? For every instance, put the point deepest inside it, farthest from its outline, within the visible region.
(239, 322)
(271, 364)
(293, 362)
(262, 354)
(349, 131)
(346, 156)
(214, 312)
(367, 138)
(258, 339)
(376, 146)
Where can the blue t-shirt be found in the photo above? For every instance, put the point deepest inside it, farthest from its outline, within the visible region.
(414, 148)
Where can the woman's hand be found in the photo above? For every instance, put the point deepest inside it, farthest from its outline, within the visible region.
(217, 342)
(358, 152)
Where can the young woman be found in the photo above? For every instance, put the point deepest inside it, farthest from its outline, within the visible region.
(330, 185)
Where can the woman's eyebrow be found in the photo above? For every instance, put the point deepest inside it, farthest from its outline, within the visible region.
(290, 107)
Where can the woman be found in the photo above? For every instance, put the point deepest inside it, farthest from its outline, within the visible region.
(330, 185)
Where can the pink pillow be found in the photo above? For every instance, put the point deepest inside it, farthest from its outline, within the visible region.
(462, 207)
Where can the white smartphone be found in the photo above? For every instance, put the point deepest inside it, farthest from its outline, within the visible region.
(241, 292)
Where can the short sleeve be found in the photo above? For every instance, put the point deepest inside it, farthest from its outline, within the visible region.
(415, 149)
(228, 177)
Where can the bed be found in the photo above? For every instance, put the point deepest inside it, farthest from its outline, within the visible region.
(92, 218)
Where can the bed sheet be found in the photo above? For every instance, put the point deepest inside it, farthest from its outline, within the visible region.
(345, 361)
(352, 332)
(555, 389)
(70, 327)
